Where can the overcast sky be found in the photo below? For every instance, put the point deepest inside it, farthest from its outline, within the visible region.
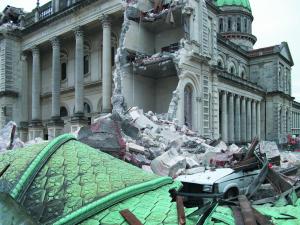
(274, 21)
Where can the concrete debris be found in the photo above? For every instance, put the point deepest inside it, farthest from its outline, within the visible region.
(169, 164)
(131, 147)
(8, 137)
(34, 142)
(270, 149)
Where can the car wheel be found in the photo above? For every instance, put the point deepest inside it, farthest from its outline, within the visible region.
(231, 193)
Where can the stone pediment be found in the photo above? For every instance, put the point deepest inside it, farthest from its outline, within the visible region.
(285, 52)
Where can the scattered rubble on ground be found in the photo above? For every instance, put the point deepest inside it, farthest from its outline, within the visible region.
(151, 141)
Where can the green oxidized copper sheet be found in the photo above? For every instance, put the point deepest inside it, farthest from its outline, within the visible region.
(280, 215)
(77, 175)
(18, 159)
(242, 3)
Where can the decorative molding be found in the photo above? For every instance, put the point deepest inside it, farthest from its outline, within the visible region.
(78, 31)
(105, 20)
(35, 50)
(55, 42)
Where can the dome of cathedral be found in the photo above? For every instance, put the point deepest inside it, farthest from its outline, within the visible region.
(242, 3)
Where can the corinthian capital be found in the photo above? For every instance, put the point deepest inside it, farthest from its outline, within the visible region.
(35, 50)
(55, 42)
(105, 20)
(78, 31)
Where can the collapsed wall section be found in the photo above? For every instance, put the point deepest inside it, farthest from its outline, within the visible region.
(163, 51)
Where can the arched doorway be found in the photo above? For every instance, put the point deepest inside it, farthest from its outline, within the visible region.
(188, 106)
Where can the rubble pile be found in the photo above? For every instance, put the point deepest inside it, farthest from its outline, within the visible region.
(152, 142)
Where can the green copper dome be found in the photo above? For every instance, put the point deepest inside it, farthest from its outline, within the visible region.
(242, 3)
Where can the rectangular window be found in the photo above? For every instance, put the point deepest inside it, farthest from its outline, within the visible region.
(229, 24)
(238, 24)
(112, 56)
(221, 25)
(86, 64)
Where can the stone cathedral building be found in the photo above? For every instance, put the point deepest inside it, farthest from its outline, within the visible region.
(190, 59)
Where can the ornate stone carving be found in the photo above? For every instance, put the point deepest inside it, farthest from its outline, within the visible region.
(78, 31)
(55, 42)
(105, 20)
(35, 50)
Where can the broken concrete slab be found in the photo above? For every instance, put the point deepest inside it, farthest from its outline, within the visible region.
(169, 164)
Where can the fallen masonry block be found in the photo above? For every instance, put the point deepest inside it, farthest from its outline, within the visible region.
(131, 147)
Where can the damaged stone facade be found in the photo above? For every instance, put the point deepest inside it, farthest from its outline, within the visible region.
(67, 62)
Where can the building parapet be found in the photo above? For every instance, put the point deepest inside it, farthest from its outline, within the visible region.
(240, 81)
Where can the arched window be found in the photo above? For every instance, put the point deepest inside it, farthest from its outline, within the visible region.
(232, 70)
(245, 25)
(188, 106)
(238, 24)
(64, 62)
(220, 64)
(221, 26)
(229, 24)
(86, 108)
(86, 59)
(243, 75)
(63, 112)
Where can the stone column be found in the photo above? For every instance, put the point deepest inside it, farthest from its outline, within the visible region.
(56, 125)
(36, 84)
(237, 119)
(249, 124)
(23, 112)
(224, 117)
(106, 65)
(36, 128)
(78, 119)
(231, 118)
(253, 133)
(56, 77)
(258, 120)
(79, 76)
(243, 121)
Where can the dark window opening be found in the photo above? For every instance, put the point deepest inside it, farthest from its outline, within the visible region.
(246, 26)
(112, 56)
(63, 71)
(243, 75)
(87, 108)
(86, 64)
(188, 106)
(232, 70)
(63, 112)
(239, 24)
(229, 24)
(221, 25)
(220, 65)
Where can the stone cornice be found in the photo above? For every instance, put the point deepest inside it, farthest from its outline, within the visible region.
(239, 82)
(72, 89)
(229, 44)
(281, 94)
(68, 24)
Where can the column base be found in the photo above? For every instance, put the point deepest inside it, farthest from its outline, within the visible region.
(55, 127)
(35, 130)
(78, 121)
(23, 131)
